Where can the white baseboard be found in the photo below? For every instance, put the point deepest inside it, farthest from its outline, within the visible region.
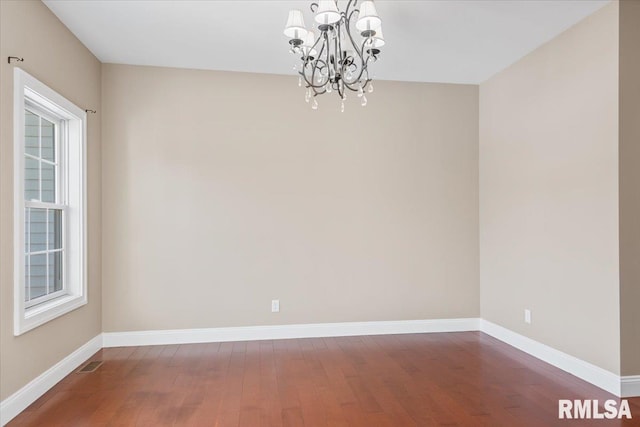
(630, 386)
(619, 386)
(584, 370)
(247, 333)
(20, 400)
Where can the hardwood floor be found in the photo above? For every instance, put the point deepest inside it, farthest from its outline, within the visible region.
(464, 379)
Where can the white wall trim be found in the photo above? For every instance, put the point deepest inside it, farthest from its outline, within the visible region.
(619, 386)
(246, 333)
(584, 370)
(630, 386)
(20, 400)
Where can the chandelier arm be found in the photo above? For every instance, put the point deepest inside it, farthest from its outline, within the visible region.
(308, 83)
(358, 50)
(328, 60)
(320, 61)
(343, 50)
(352, 12)
(314, 64)
(350, 66)
(348, 85)
(338, 44)
(316, 43)
(314, 67)
(363, 67)
(349, 5)
(347, 24)
(364, 63)
(337, 53)
(343, 68)
(317, 92)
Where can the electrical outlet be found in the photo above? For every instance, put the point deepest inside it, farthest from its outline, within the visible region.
(527, 315)
(275, 305)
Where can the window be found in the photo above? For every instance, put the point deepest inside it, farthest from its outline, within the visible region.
(49, 204)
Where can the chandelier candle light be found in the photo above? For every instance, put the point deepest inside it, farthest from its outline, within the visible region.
(336, 60)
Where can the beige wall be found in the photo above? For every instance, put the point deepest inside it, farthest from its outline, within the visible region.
(549, 193)
(54, 56)
(630, 186)
(223, 191)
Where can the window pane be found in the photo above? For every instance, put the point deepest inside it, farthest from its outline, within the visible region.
(31, 179)
(55, 272)
(48, 182)
(31, 133)
(54, 222)
(37, 229)
(47, 140)
(38, 275)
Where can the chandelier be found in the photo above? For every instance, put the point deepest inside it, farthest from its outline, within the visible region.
(336, 61)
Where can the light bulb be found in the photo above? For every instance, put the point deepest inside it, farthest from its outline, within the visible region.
(370, 87)
(314, 104)
(364, 101)
(342, 107)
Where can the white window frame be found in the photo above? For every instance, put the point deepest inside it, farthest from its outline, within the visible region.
(72, 142)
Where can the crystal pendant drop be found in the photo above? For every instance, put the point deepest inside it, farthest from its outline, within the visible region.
(364, 101)
(360, 91)
(342, 107)
(307, 95)
(314, 104)
(299, 81)
(329, 88)
(370, 87)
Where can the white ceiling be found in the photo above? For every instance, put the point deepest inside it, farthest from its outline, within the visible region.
(455, 41)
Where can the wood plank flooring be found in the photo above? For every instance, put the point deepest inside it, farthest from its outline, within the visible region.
(464, 379)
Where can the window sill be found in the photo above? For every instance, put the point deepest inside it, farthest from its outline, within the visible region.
(47, 311)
